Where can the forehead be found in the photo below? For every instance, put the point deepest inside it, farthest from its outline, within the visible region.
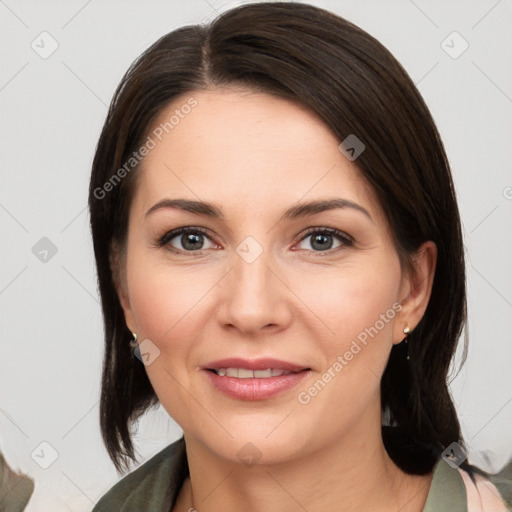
(241, 147)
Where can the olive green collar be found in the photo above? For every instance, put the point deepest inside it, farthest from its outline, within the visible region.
(447, 490)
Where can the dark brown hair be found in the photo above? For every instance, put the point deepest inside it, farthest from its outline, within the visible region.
(320, 60)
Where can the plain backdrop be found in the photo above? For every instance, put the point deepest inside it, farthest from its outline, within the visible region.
(52, 110)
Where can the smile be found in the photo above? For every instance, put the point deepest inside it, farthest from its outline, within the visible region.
(261, 379)
(244, 373)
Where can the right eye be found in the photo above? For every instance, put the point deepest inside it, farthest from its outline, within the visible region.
(185, 239)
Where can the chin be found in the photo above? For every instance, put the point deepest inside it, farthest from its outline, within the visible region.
(265, 439)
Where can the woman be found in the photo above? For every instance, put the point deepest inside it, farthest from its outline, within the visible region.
(281, 266)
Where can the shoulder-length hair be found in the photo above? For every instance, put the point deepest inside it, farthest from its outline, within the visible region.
(320, 60)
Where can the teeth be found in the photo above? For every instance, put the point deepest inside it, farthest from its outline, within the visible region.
(263, 374)
(244, 373)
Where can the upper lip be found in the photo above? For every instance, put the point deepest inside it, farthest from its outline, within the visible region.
(254, 364)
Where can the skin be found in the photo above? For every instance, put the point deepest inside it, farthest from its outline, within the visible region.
(254, 156)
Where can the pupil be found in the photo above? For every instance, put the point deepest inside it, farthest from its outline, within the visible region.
(324, 242)
(189, 240)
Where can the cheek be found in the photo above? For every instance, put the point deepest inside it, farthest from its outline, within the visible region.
(166, 305)
(163, 298)
(349, 302)
(359, 307)
(367, 306)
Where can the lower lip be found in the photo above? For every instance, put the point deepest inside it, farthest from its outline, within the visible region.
(255, 389)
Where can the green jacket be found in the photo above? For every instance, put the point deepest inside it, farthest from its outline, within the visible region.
(15, 489)
(154, 486)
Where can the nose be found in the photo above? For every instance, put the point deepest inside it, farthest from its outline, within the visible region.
(255, 297)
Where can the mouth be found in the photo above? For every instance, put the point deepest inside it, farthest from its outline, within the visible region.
(246, 373)
(243, 367)
(254, 380)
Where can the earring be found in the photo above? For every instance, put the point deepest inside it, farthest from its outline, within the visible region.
(133, 342)
(406, 332)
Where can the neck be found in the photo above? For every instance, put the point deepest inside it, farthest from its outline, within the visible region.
(354, 474)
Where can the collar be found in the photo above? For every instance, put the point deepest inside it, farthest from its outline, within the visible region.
(447, 491)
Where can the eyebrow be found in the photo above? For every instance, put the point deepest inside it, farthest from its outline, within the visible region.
(297, 211)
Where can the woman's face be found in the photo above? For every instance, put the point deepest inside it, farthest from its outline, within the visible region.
(266, 278)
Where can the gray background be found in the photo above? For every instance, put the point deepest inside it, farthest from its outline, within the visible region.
(52, 112)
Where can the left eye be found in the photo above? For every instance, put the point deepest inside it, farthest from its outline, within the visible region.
(323, 240)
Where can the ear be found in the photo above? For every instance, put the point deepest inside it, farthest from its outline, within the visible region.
(416, 289)
(117, 260)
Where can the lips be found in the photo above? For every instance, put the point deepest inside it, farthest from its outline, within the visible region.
(254, 379)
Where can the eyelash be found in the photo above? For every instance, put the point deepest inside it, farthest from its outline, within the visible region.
(346, 240)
